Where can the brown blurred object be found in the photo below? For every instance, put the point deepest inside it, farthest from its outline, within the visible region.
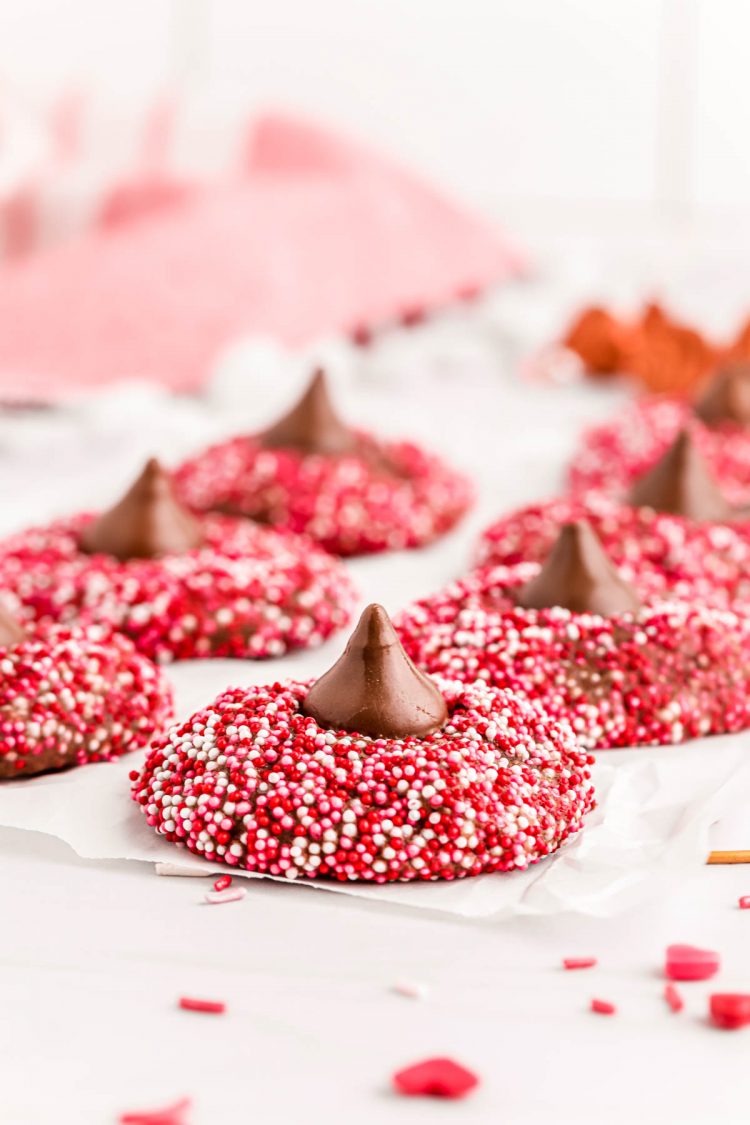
(739, 350)
(669, 357)
(600, 339)
(663, 354)
(726, 397)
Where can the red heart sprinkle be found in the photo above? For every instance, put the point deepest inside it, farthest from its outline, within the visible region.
(730, 1010)
(687, 962)
(435, 1078)
(744, 903)
(603, 1007)
(673, 998)
(191, 1004)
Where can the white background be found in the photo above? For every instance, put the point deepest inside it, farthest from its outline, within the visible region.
(635, 109)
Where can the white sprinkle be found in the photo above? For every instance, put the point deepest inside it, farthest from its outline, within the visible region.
(176, 869)
(233, 894)
(415, 990)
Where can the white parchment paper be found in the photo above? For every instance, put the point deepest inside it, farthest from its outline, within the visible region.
(649, 831)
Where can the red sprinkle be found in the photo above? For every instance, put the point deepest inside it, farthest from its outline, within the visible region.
(435, 1078)
(216, 1007)
(603, 1007)
(729, 1010)
(687, 962)
(744, 902)
(673, 998)
(169, 1115)
(223, 882)
(579, 962)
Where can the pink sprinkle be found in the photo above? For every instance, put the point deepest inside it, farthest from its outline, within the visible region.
(744, 903)
(603, 1007)
(688, 962)
(673, 998)
(579, 962)
(223, 882)
(169, 1115)
(233, 894)
(215, 1007)
(435, 1078)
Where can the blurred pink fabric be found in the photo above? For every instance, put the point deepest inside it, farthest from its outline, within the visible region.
(318, 236)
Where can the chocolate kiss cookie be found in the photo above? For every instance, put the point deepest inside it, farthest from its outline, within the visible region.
(653, 551)
(312, 473)
(660, 672)
(372, 773)
(71, 696)
(612, 456)
(180, 586)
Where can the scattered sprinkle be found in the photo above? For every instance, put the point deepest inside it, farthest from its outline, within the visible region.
(232, 894)
(729, 1010)
(688, 962)
(169, 1115)
(411, 988)
(435, 1078)
(603, 1007)
(744, 903)
(579, 962)
(214, 1007)
(673, 998)
(223, 882)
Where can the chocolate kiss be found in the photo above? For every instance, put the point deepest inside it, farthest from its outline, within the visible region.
(11, 633)
(148, 522)
(374, 688)
(727, 397)
(578, 575)
(680, 483)
(312, 426)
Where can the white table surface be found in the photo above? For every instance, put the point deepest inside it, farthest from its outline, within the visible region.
(93, 956)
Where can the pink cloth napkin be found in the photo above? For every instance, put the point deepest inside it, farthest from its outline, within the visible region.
(319, 236)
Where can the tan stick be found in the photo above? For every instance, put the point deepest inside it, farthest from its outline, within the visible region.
(729, 857)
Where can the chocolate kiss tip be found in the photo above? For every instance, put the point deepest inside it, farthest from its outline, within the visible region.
(681, 484)
(374, 689)
(312, 425)
(11, 632)
(578, 575)
(148, 522)
(726, 397)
